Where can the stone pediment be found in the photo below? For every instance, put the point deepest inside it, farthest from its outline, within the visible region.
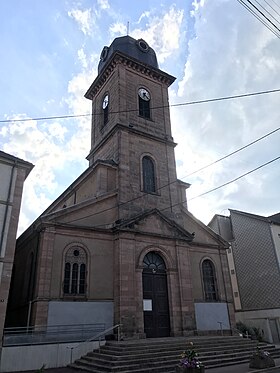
(154, 222)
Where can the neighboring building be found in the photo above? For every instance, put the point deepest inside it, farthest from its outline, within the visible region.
(119, 245)
(254, 263)
(13, 172)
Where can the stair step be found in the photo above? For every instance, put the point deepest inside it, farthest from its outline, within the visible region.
(199, 349)
(150, 356)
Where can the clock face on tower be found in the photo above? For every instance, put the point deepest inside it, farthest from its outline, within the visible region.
(144, 94)
(105, 102)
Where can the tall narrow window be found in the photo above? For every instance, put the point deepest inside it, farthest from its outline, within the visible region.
(75, 272)
(82, 279)
(209, 281)
(148, 170)
(144, 103)
(74, 284)
(105, 107)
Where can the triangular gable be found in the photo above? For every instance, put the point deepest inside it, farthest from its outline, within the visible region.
(85, 188)
(203, 235)
(154, 222)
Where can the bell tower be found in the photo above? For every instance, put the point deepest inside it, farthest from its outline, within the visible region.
(131, 126)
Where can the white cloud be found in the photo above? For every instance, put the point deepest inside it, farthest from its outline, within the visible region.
(83, 18)
(117, 28)
(231, 53)
(57, 131)
(103, 4)
(144, 15)
(162, 32)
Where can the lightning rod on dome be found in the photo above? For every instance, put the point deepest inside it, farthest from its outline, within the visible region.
(127, 28)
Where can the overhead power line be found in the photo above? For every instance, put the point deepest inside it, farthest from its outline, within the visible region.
(202, 168)
(232, 153)
(261, 16)
(274, 2)
(273, 8)
(176, 204)
(223, 98)
(237, 178)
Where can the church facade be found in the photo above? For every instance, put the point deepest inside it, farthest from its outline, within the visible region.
(119, 245)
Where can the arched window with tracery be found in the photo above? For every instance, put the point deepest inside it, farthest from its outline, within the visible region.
(154, 262)
(75, 271)
(149, 176)
(209, 281)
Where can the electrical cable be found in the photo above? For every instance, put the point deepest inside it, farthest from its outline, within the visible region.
(258, 10)
(272, 8)
(271, 15)
(258, 17)
(274, 2)
(176, 204)
(223, 98)
(234, 152)
(237, 178)
(200, 195)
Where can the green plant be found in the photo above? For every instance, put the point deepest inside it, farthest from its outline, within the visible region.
(258, 334)
(41, 370)
(252, 332)
(261, 353)
(189, 358)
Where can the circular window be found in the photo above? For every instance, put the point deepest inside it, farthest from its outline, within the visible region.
(142, 45)
(76, 253)
(104, 53)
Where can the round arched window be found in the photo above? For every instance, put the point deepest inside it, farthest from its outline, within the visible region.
(154, 262)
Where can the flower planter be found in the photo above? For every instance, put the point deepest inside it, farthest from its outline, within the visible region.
(261, 362)
(182, 369)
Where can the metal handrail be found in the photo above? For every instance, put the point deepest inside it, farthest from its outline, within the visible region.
(41, 334)
(38, 328)
(232, 329)
(99, 335)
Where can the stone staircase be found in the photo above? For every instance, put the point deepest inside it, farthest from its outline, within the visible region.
(162, 354)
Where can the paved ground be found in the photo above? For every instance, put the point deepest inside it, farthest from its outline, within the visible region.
(241, 368)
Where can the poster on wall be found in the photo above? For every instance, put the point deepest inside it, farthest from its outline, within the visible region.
(147, 305)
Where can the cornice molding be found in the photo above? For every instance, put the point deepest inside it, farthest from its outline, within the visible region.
(118, 126)
(120, 58)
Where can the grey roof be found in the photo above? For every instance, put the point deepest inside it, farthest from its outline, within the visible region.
(21, 162)
(275, 218)
(138, 49)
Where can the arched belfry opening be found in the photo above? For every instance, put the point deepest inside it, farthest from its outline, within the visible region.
(155, 296)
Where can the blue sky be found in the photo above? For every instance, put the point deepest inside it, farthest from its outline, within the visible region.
(50, 52)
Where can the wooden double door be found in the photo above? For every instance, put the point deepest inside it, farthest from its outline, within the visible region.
(155, 304)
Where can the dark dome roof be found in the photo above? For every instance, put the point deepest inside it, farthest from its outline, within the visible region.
(137, 49)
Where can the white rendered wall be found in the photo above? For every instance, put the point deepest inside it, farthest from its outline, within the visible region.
(21, 358)
(260, 319)
(210, 315)
(73, 313)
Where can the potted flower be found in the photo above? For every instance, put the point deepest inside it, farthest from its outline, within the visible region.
(261, 359)
(189, 362)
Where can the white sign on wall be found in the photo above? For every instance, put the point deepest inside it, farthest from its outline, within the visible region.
(147, 305)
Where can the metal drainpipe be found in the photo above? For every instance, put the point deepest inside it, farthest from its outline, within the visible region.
(7, 206)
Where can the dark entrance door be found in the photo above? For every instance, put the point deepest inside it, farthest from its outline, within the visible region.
(155, 297)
